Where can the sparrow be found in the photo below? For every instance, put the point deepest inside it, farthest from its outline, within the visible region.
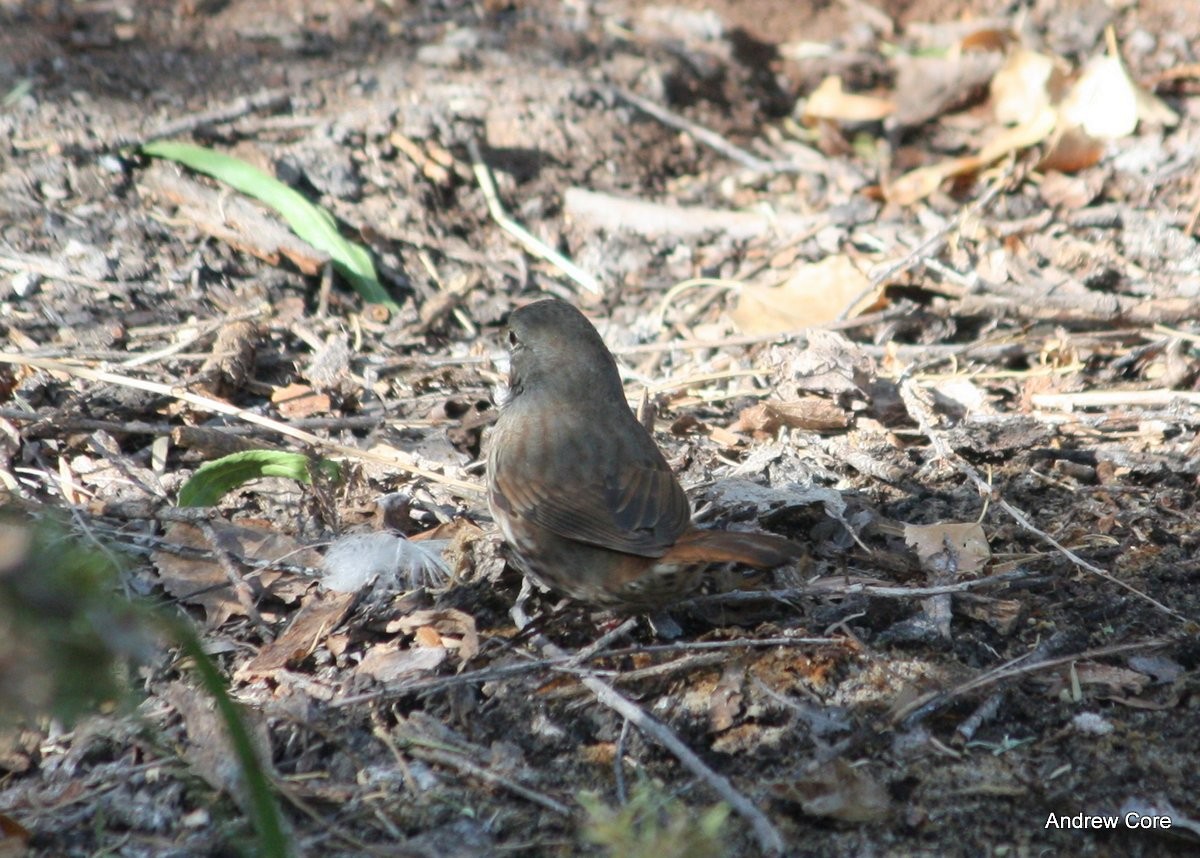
(584, 498)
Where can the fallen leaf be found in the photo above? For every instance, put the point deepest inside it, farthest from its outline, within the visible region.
(840, 791)
(388, 663)
(917, 184)
(201, 580)
(454, 629)
(812, 295)
(810, 413)
(830, 101)
(320, 615)
(295, 401)
(209, 752)
(1021, 89)
(725, 700)
(960, 546)
(1103, 102)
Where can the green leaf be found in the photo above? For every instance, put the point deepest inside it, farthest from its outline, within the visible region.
(312, 223)
(262, 808)
(213, 480)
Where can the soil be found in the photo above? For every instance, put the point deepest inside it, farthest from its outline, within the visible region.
(861, 708)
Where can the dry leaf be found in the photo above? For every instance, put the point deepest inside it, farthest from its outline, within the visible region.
(810, 413)
(830, 101)
(320, 615)
(202, 580)
(923, 181)
(1021, 90)
(208, 752)
(1001, 614)
(1070, 192)
(1103, 102)
(928, 86)
(838, 791)
(459, 626)
(960, 546)
(388, 663)
(725, 700)
(295, 401)
(14, 837)
(812, 295)
(1117, 679)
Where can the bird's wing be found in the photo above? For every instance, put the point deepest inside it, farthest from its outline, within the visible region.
(621, 496)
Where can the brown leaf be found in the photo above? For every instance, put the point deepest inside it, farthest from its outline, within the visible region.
(208, 751)
(1071, 151)
(320, 615)
(810, 413)
(921, 182)
(830, 101)
(446, 621)
(929, 86)
(1024, 85)
(812, 295)
(962, 547)
(202, 580)
(295, 401)
(725, 701)
(389, 663)
(838, 791)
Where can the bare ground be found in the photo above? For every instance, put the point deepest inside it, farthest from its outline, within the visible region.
(904, 697)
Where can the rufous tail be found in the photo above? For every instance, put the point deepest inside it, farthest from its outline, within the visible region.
(760, 550)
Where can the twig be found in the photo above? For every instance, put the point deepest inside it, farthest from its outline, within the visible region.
(524, 237)
(134, 427)
(462, 764)
(918, 412)
(49, 268)
(235, 581)
(1014, 668)
(769, 839)
(834, 588)
(508, 671)
(757, 339)
(718, 143)
(219, 407)
(263, 100)
(652, 220)
(1106, 398)
(931, 245)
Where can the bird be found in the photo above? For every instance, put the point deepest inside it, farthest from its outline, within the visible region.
(584, 498)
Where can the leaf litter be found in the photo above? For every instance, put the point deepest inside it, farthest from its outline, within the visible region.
(940, 326)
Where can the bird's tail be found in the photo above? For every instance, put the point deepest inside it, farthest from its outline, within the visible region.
(760, 550)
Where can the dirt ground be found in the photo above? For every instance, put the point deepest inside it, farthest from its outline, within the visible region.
(988, 444)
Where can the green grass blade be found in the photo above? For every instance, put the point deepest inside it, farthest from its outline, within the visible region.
(312, 223)
(213, 480)
(263, 811)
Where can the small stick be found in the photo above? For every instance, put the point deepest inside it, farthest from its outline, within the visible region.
(508, 671)
(524, 237)
(219, 407)
(769, 838)
(917, 411)
(267, 99)
(716, 142)
(1106, 398)
(1010, 669)
(832, 588)
(457, 761)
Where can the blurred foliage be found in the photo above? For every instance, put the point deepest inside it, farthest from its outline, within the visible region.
(654, 825)
(67, 633)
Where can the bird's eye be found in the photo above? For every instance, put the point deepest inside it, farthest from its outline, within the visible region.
(512, 339)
